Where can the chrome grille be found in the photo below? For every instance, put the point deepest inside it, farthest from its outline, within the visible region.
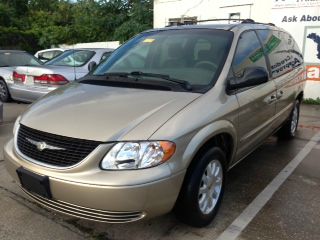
(87, 213)
(61, 151)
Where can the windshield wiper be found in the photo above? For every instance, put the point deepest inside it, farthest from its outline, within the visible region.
(185, 84)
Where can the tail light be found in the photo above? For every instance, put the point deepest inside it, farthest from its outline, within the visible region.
(51, 79)
(18, 77)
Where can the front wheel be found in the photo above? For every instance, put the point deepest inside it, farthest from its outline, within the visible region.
(203, 188)
(289, 129)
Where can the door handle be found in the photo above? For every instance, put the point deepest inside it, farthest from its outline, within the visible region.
(279, 94)
(271, 99)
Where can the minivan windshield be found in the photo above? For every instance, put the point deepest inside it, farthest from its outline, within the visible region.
(72, 58)
(8, 59)
(193, 56)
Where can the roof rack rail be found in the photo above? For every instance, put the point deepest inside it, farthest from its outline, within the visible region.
(222, 19)
(242, 21)
(252, 21)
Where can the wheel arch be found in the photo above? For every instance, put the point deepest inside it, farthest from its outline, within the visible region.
(221, 134)
(7, 88)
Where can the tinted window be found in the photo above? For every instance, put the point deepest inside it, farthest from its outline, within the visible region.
(56, 53)
(249, 54)
(105, 56)
(17, 59)
(72, 58)
(276, 46)
(48, 55)
(194, 55)
(296, 54)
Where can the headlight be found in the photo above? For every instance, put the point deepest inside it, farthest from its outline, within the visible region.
(16, 124)
(135, 155)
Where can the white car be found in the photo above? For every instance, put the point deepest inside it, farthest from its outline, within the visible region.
(48, 54)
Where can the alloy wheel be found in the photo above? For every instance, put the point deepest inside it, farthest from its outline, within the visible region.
(210, 187)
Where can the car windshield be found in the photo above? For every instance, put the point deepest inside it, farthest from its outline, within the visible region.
(8, 59)
(195, 56)
(72, 58)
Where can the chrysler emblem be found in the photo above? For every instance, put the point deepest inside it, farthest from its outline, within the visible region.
(43, 145)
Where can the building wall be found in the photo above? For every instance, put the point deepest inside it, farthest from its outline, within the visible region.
(209, 9)
(299, 17)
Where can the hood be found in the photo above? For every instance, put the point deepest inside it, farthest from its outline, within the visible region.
(104, 113)
(69, 73)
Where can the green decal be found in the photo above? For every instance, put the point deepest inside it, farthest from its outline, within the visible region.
(272, 44)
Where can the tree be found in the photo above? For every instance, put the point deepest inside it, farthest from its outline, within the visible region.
(52, 22)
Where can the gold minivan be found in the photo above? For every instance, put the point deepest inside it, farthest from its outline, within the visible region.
(156, 126)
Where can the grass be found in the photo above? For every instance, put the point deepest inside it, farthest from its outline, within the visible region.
(312, 101)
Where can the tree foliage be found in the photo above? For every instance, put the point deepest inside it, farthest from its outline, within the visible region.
(37, 24)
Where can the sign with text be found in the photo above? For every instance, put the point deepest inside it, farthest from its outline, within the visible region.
(295, 3)
(313, 73)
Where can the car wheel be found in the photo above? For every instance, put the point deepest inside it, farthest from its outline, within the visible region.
(289, 129)
(202, 190)
(4, 92)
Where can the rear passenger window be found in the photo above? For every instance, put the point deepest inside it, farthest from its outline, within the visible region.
(249, 54)
(56, 53)
(276, 45)
(105, 56)
(296, 54)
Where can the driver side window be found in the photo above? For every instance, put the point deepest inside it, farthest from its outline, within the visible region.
(249, 54)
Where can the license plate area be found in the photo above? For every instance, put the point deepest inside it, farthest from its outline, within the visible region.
(34, 183)
(29, 80)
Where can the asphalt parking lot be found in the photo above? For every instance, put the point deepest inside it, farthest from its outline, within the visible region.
(272, 194)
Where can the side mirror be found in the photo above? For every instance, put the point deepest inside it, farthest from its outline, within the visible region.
(252, 76)
(92, 65)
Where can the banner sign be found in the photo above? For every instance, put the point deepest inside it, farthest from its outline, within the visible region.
(295, 3)
(313, 73)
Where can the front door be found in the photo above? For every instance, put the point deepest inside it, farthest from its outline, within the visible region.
(257, 104)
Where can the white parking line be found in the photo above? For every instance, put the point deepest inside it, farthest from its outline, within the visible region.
(241, 222)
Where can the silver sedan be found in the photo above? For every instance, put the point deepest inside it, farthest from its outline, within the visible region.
(31, 83)
(9, 59)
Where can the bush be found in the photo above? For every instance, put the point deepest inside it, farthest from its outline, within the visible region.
(12, 38)
(312, 101)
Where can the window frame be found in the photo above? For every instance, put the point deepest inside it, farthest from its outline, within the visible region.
(231, 74)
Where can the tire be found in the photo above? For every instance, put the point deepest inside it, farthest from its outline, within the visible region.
(4, 91)
(289, 129)
(190, 206)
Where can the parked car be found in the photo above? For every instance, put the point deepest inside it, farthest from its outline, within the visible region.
(157, 126)
(31, 83)
(48, 54)
(9, 59)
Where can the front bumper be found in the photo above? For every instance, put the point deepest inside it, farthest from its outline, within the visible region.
(111, 200)
(28, 93)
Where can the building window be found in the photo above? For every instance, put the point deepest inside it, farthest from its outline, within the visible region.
(234, 16)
